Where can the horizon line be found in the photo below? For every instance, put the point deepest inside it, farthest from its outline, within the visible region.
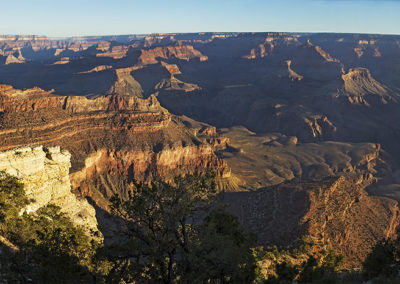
(199, 32)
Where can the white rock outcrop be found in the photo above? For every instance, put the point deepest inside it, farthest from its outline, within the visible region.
(45, 174)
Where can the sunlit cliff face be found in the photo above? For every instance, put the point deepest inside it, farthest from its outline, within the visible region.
(45, 175)
(112, 139)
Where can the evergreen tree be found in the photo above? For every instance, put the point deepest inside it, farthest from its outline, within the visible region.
(44, 247)
(172, 236)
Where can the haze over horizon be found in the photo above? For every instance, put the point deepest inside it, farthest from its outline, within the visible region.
(84, 18)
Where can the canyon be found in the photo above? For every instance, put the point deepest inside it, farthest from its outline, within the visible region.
(286, 120)
(113, 139)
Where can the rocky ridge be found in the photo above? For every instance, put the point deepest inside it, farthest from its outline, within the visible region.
(113, 139)
(44, 172)
(184, 52)
(334, 211)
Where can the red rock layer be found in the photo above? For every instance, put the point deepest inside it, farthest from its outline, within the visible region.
(183, 52)
(116, 138)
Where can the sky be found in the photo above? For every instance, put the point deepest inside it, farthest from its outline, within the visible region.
(62, 18)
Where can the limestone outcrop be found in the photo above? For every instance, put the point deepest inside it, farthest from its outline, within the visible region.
(44, 172)
(112, 139)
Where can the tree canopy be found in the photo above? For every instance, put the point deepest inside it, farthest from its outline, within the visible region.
(175, 233)
(44, 247)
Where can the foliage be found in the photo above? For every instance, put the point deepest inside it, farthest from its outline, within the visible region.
(384, 260)
(44, 247)
(12, 200)
(223, 251)
(173, 237)
(175, 233)
(58, 247)
(307, 264)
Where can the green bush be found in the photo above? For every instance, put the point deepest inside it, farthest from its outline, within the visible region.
(384, 260)
(175, 235)
(44, 247)
(301, 265)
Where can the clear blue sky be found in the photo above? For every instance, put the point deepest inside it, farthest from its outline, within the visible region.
(100, 17)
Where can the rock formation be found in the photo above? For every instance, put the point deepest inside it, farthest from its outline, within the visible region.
(12, 59)
(260, 161)
(126, 84)
(174, 84)
(97, 69)
(116, 52)
(335, 211)
(173, 69)
(113, 139)
(259, 52)
(292, 74)
(45, 175)
(360, 86)
(184, 52)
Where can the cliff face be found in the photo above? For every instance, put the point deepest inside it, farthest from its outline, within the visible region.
(335, 211)
(343, 215)
(184, 52)
(113, 139)
(361, 88)
(31, 101)
(45, 174)
(125, 83)
(107, 172)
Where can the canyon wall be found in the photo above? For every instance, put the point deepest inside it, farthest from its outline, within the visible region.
(334, 211)
(113, 139)
(44, 171)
